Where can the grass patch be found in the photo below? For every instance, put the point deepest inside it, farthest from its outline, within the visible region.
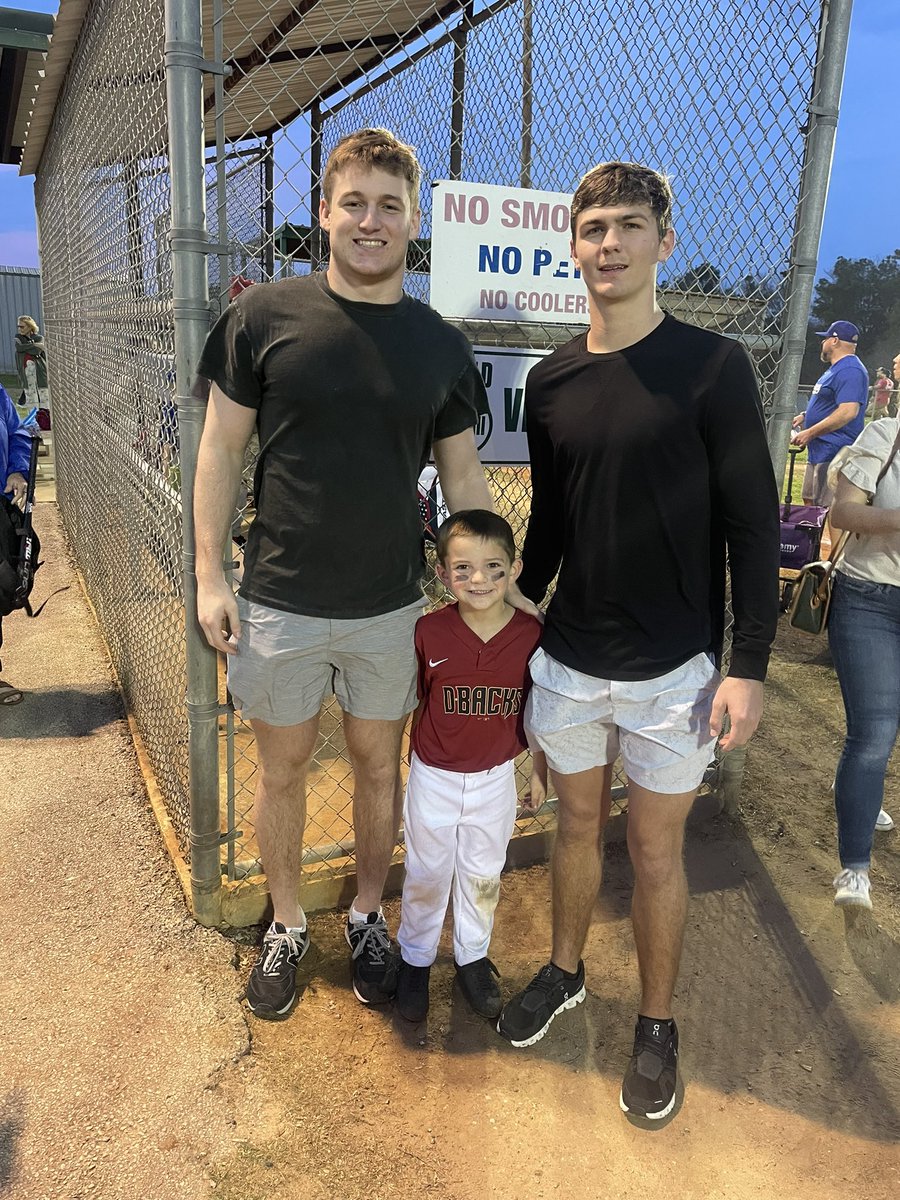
(797, 488)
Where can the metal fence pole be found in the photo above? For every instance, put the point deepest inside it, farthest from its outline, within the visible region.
(822, 127)
(190, 308)
(268, 263)
(316, 236)
(458, 95)
(221, 193)
(525, 153)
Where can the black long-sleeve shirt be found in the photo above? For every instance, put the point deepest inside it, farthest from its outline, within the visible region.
(646, 463)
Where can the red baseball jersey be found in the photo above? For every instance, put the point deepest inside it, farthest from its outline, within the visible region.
(474, 691)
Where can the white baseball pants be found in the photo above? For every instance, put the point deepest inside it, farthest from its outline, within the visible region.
(457, 827)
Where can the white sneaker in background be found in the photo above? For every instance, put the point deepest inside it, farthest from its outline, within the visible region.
(884, 820)
(852, 887)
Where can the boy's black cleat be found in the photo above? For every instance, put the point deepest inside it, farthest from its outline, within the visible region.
(373, 960)
(478, 983)
(272, 987)
(411, 1001)
(528, 1016)
(648, 1089)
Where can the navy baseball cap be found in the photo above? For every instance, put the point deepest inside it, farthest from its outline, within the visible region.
(845, 330)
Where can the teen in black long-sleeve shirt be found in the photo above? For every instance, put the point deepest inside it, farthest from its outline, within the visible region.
(648, 462)
(645, 463)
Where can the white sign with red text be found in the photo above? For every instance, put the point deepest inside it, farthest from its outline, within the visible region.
(502, 253)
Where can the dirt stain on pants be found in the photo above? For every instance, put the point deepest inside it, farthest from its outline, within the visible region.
(486, 892)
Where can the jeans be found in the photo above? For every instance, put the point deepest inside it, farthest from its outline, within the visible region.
(864, 634)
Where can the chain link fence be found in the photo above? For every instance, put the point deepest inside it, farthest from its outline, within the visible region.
(103, 201)
(526, 93)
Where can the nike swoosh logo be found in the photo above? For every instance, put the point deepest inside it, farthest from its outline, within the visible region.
(436, 662)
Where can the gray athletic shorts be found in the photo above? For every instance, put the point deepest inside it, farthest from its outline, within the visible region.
(287, 664)
(660, 726)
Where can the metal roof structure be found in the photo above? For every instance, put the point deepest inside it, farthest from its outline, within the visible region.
(24, 42)
(337, 41)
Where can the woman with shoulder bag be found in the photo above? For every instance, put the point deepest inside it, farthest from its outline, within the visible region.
(864, 635)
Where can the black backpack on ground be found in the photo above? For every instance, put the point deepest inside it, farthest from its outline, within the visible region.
(16, 567)
(20, 547)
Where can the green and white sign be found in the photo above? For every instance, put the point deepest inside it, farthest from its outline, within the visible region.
(500, 436)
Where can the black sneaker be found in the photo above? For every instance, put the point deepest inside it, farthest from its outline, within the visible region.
(272, 988)
(476, 979)
(411, 1001)
(528, 1016)
(373, 960)
(648, 1089)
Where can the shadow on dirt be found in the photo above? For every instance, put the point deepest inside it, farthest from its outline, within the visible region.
(12, 1126)
(874, 951)
(759, 1001)
(61, 713)
(756, 1012)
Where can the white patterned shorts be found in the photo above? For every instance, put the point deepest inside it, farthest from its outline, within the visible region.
(659, 726)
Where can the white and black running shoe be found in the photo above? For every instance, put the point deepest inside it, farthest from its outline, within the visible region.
(528, 1016)
(272, 988)
(648, 1089)
(373, 960)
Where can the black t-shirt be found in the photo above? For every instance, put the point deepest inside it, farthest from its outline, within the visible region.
(645, 464)
(350, 397)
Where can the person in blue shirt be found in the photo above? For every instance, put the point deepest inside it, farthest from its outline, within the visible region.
(15, 447)
(836, 411)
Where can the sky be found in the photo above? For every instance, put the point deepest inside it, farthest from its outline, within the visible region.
(861, 218)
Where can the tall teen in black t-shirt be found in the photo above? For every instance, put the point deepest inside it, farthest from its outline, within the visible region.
(351, 385)
(649, 462)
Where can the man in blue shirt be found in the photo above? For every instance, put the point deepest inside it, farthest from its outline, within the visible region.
(836, 411)
(15, 444)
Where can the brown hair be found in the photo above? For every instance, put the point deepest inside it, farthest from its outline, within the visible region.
(612, 184)
(479, 523)
(374, 148)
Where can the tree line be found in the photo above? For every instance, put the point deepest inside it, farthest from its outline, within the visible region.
(860, 290)
(868, 294)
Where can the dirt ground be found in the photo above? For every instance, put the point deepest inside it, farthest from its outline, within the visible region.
(129, 1068)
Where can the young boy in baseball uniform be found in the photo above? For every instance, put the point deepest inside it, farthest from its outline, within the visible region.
(461, 801)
